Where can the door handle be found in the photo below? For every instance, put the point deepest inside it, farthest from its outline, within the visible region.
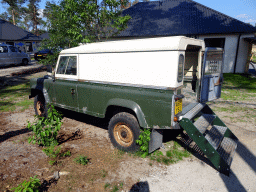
(72, 91)
(219, 82)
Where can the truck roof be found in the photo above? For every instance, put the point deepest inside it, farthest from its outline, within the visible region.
(149, 44)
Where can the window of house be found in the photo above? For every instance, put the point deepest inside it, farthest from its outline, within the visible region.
(29, 47)
(10, 43)
(215, 42)
(67, 65)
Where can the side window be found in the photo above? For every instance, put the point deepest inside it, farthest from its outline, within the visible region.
(62, 64)
(67, 65)
(3, 49)
(13, 49)
(71, 68)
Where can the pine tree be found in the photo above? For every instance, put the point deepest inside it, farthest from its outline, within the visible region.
(13, 11)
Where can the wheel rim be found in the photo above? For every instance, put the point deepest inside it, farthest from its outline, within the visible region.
(123, 134)
(39, 108)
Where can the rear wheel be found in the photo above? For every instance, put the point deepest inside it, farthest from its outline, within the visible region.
(40, 106)
(124, 130)
(24, 62)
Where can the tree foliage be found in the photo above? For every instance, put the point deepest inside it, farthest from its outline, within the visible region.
(13, 12)
(25, 17)
(33, 15)
(83, 21)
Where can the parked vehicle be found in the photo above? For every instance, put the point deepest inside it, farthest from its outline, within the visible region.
(157, 83)
(42, 54)
(11, 55)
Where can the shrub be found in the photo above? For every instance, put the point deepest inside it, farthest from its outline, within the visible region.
(82, 160)
(27, 186)
(143, 141)
(46, 129)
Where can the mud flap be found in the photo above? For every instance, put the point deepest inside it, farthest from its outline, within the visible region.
(156, 140)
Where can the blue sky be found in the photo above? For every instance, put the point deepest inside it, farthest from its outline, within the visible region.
(243, 10)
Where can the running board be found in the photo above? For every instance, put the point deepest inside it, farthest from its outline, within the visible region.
(211, 135)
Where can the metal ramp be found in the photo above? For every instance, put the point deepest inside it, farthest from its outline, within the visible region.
(211, 135)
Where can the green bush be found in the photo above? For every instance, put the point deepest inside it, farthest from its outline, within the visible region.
(46, 129)
(82, 160)
(66, 154)
(28, 186)
(51, 152)
(143, 141)
(55, 154)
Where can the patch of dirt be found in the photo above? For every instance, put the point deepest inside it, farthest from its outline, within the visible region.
(80, 135)
(20, 160)
(245, 118)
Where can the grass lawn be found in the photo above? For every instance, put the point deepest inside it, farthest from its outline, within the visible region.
(242, 89)
(237, 87)
(13, 97)
(254, 58)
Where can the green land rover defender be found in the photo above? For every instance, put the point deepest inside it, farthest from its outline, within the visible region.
(156, 83)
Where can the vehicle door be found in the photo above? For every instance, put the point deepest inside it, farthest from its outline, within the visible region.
(14, 55)
(4, 57)
(212, 77)
(20, 55)
(65, 84)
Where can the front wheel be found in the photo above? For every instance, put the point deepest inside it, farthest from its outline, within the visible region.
(40, 106)
(124, 130)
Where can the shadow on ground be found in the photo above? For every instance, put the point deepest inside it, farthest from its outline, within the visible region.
(10, 134)
(232, 182)
(140, 187)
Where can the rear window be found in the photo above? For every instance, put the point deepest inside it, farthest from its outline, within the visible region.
(180, 67)
(213, 62)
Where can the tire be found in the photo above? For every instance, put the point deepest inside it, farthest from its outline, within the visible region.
(123, 131)
(24, 62)
(40, 106)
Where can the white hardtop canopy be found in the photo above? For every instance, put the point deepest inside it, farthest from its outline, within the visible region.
(149, 44)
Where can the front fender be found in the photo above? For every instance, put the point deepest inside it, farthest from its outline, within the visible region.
(37, 83)
(37, 87)
(130, 105)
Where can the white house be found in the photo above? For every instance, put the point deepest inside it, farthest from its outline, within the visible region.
(191, 19)
(13, 35)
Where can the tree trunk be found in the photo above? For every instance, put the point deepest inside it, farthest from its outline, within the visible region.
(13, 18)
(35, 21)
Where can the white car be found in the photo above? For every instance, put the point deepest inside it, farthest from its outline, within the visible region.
(11, 55)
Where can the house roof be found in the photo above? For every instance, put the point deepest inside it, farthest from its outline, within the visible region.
(10, 32)
(179, 17)
(45, 36)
